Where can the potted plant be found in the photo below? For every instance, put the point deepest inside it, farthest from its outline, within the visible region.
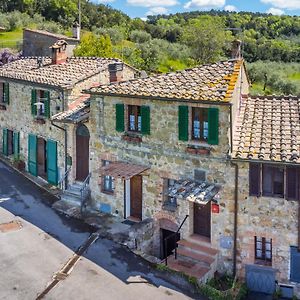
(19, 163)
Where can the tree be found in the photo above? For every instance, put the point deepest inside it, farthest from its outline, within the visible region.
(94, 46)
(207, 38)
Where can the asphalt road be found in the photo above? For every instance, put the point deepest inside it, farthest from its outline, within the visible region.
(32, 255)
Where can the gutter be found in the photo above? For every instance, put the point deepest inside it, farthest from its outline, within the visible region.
(259, 161)
(235, 224)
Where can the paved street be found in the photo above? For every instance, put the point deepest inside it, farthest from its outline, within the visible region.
(32, 255)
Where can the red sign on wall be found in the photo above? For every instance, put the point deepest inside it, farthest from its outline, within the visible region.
(215, 208)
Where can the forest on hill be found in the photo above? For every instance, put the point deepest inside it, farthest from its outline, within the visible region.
(271, 44)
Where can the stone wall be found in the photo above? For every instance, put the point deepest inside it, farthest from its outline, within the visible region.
(167, 158)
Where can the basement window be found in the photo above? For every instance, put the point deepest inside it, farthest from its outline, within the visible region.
(263, 251)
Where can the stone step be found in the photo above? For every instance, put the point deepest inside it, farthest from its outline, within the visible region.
(70, 198)
(199, 239)
(73, 191)
(207, 260)
(196, 247)
(194, 270)
(76, 186)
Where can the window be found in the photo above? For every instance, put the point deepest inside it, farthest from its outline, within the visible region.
(273, 181)
(263, 251)
(107, 181)
(41, 100)
(40, 103)
(169, 201)
(134, 118)
(4, 93)
(199, 124)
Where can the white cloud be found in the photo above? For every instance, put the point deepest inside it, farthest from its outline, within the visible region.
(230, 8)
(103, 1)
(204, 4)
(159, 10)
(288, 4)
(152, 3)
(275, 11)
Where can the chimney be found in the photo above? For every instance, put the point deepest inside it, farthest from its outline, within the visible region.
(59, 54)
(115, 72)
(236, 51)
(76, 30)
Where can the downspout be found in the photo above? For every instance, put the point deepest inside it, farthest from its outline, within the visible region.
(235, 224)
(65, 139)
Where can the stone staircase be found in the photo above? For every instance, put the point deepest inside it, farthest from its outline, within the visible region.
(73, 194)
(195, 257)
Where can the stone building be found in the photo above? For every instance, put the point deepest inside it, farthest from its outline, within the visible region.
(33, 92)
(39, 42)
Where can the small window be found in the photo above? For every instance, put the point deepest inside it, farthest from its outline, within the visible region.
(263, 251)
(170, 201)
(134, 118)
(4, 93)
(199, 124)
(107, 181)
(41, 100)
(273, 181)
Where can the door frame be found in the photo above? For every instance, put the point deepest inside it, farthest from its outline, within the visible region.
(127, 197)
(193, 224)
(45, 175)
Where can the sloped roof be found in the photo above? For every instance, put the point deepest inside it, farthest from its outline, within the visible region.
(268, 129)
(211, 82)
(63, 75)
(54, 35)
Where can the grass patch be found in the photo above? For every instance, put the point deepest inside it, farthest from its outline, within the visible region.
(295, 76)
(11, 39)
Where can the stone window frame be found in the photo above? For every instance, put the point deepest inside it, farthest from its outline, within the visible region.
(108, 178)
(203, 116)
(260, 244)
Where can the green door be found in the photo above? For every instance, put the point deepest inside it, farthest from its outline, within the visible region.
(4, 142)
(52, 162)
(32, 154)
(16, 145)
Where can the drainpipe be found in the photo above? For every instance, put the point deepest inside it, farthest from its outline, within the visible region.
(65, 139)
(298, 225)
(235, 224)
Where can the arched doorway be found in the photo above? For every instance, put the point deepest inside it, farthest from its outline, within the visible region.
(82, 152)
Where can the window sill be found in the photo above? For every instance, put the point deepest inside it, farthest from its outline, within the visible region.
(132, 137)
(198, 150)
(263, 263)
(40, 120)
(2, 106)
(107, 192)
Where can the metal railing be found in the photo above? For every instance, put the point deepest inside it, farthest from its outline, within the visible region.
(84, 193)
(63, 183)
(172, 236)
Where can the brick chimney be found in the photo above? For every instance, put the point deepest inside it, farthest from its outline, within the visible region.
(115, 72)
(59, 54)
(236, 51)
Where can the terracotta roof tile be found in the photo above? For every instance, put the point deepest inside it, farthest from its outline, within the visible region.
(268, 129)
(63, 75)
(212, 82)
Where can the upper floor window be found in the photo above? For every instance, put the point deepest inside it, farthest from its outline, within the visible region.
(107, 181)
(274, 181)
(134, 118)
(199, 124)
(40, 103)
(263, 251)
(4, 93)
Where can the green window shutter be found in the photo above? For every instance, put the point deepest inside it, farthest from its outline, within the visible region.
(6, 92)
(52, 172)
(16, 145)
(4, 142)
(183, 123)
(47, 104)
(120, 117)
(32, 155)
(33, 101)
(213, 126)
(145, 114)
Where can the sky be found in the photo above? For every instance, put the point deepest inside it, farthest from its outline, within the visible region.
(142, 8)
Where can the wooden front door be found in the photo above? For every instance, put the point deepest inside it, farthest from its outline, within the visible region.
(82, 152)
(41, 158)
(202, 214)
(136, 196)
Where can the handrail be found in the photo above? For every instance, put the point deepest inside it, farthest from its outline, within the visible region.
(83, 189)
(63, 179)
(172, 235)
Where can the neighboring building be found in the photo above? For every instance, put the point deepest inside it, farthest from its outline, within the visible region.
(39, 42)
(32, 91)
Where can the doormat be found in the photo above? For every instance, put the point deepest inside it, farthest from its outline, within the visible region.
(129, 222)
(10, 226)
